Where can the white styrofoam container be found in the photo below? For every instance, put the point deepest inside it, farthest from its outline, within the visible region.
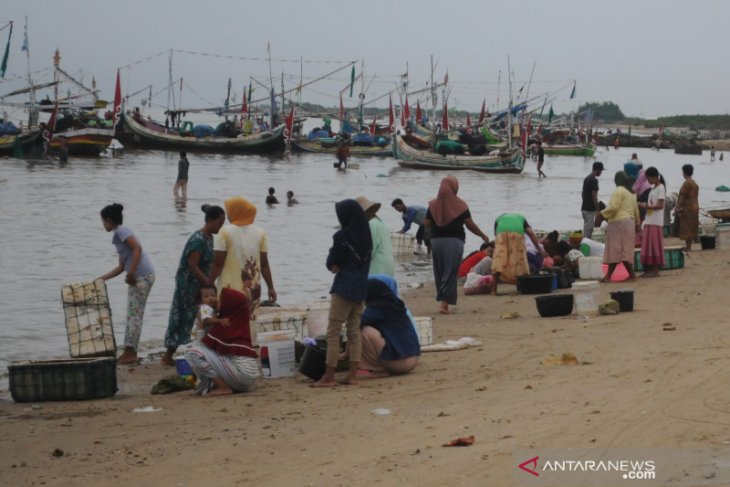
(424, 329)
(590, 268)
(722, 231)
(88, 319)
(403, 244)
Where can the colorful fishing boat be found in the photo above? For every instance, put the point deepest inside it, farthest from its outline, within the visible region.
(570, 150)
(153, 135)
(502, 161)
(87, 141)
(18, 145)
(328, 145)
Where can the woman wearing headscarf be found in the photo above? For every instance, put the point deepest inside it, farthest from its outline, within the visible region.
(225, 361)
(641, 189)
(389, 341)
(687, 209)
(241, 253)
(622, 214)
(348, 260)
(446, 216)
(192, 272)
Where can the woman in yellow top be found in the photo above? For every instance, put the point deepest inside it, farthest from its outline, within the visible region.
(622, 214)
(240, 256)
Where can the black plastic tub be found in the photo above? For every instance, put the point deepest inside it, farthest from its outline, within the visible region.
(63, 380)
(313, 362)
(535, 283)
(554, 305)
(625, 298)
(707, 242)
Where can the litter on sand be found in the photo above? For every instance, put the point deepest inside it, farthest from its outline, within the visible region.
(380, 411)
(565, 359)
(463, 441)
(509, 316)
(146, 409)
(448, 345)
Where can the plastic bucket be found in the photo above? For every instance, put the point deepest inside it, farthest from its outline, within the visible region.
(277, 354)
(707, 242)
(586, 296)
(182, 367)
(313, 362)
(625, 298)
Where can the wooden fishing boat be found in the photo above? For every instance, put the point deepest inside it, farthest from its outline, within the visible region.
(722, 214)
(153, 135)
(329, 146)
(18, 145)
(504, 161)
(569, 150)
(87, 141)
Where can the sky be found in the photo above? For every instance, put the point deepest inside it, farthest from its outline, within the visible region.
(652, 58)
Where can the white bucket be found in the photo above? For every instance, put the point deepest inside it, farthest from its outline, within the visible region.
(590, 267)
(277, 354)
(586, 296)
(317, 319)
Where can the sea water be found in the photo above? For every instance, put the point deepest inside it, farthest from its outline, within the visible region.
(51, 232)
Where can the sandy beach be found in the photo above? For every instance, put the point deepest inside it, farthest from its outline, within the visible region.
(635, 386)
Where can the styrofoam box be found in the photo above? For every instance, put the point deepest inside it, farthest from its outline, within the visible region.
(722, 230)
(590, 268)
(88, 319)
(424, 329)
(282, 319)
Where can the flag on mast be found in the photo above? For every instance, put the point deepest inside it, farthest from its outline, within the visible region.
(117, 101)
(373, 126)
(244, 104)
(445, 116)
(4, 65)
(289, 126)
(551, 114)
(24, 47)
(391, 115)
(418, 112)
(406, 111)
(342, 110)
(572, 93)
(483, 113)
(352, 79)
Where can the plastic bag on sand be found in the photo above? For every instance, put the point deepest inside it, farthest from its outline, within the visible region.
(461, 343)
(478, 284)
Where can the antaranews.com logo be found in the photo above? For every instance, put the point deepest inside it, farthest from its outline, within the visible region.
(629, 469)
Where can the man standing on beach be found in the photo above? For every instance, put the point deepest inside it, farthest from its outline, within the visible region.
(590, 199)
(182, 176)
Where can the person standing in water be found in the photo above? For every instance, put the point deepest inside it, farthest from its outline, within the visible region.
(540, 159)
(182, 177)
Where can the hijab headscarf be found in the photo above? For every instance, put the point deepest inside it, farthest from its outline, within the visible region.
(392, 321)
(641, 184)
(447, 206)
(240, 211)
(621, 179)
(355, 227)
(388, 280)
(236, 338)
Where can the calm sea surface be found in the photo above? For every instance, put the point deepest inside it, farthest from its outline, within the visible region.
(51, 233)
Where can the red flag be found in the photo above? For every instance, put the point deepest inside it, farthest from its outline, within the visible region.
(117, 110)
(419, 115)
(342, 110)
(406, 111)
(244, 105)
(373, 126)
(446, 78)
(445, 117)
(50, 126)
(289, 126)
(391, 115)
(483, 113)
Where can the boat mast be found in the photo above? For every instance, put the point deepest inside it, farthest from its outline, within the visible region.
(170, 91)
(33, 110)
(361, 96)
(271, 84)
(433, 96)
(509, 108)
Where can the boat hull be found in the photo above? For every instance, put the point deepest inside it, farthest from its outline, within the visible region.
(507, 161)
(355, 150)
(569, 150)
(84, 142)
(261, 142)
(19, 145)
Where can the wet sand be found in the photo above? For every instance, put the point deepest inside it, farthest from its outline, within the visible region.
(635, 385)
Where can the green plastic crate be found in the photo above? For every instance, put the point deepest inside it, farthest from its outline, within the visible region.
(673, 259)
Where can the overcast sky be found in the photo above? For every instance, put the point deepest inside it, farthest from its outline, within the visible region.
(652, 58)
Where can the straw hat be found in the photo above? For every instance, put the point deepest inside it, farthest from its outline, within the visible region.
(369, 207)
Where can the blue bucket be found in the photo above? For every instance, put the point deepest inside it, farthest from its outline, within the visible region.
(182, 367)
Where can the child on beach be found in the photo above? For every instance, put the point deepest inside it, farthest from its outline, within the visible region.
(207, 314)
(349, 261)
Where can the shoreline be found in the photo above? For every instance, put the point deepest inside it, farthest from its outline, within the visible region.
(637, 386)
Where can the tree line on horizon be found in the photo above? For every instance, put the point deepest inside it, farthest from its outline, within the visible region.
(601, 112)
